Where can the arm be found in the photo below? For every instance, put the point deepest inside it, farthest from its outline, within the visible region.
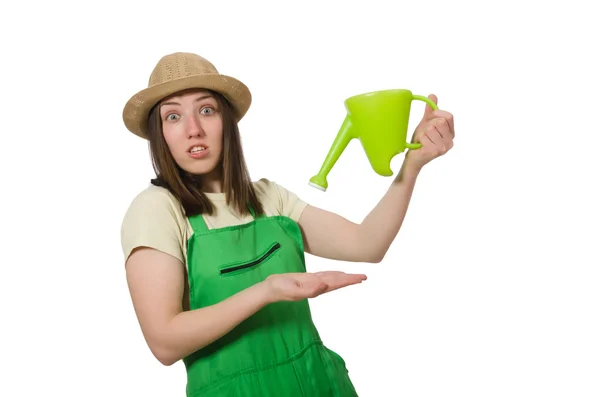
(331, 236)
(156, 284)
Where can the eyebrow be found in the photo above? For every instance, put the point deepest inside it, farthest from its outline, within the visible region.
(196, 100)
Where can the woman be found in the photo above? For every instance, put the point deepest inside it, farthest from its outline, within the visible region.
(215, 262)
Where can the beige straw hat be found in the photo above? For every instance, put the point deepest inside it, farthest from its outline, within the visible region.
(180, 71)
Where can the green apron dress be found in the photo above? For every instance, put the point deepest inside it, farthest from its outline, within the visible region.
(277, 352)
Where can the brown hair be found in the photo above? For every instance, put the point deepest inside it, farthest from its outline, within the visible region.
(186, 187)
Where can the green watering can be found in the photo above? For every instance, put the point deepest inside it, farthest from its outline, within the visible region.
(379, 120)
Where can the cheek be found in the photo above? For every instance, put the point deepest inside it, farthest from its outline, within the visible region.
(216, 136)
(218, 139)
(172, 140)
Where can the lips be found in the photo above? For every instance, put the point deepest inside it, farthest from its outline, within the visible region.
(197, 148)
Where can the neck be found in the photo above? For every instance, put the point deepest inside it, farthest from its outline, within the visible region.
(212, 182)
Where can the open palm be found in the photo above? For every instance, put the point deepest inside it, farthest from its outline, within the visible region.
(297, 286)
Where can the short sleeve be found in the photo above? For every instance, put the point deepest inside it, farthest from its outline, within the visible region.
(292, 204)
(152, 220)
(287, 202)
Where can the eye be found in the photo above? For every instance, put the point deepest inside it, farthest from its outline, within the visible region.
(206, 111)
(171, 117)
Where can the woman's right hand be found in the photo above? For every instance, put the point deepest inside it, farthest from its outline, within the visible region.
(298, 286)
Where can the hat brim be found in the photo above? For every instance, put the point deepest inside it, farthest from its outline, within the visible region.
(137, 108)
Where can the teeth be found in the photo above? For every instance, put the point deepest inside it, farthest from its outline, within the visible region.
(196, 149)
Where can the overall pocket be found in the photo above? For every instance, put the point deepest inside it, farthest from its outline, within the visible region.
(236, 268)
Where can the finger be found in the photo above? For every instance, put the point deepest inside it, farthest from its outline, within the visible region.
(433, 135)
(428, 109)
(443, 128)
(352, 276)
(326, 272)
(343, 280)
(338, 284)
(334, 273)
(447, 116)
(443, 139)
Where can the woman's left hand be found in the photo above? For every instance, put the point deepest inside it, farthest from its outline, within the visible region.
(435, 132)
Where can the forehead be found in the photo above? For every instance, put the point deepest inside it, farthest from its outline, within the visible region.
(187, 95)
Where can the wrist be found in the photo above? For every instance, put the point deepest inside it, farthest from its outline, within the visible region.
(263, 292)
(409, 171)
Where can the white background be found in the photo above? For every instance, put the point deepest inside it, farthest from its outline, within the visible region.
(490, 289)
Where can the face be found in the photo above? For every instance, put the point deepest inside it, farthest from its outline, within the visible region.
(193, 129)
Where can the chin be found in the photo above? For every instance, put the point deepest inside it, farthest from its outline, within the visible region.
(200, 169)
(198, 166)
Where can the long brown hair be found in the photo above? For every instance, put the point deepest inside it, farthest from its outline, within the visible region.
(187, 187)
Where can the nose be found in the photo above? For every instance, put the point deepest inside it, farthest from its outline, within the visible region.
(194, 127)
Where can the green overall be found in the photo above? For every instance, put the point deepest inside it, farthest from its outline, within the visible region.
(277, 352)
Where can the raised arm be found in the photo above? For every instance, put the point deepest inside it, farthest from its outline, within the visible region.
(332, 236)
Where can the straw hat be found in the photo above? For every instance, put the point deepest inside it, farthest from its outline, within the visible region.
(180, 71)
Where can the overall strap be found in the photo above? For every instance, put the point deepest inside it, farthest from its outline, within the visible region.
(198, 224)
(254, 213)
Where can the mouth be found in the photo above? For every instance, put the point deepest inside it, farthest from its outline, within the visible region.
(197, 149)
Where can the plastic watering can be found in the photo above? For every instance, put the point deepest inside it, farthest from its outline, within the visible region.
(379, 120)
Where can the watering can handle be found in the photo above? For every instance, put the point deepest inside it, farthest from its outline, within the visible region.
(433, 106)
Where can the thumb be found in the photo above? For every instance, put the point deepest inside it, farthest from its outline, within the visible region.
(429, 109)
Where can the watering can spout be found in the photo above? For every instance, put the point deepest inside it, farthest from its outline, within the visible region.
(340, 143)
